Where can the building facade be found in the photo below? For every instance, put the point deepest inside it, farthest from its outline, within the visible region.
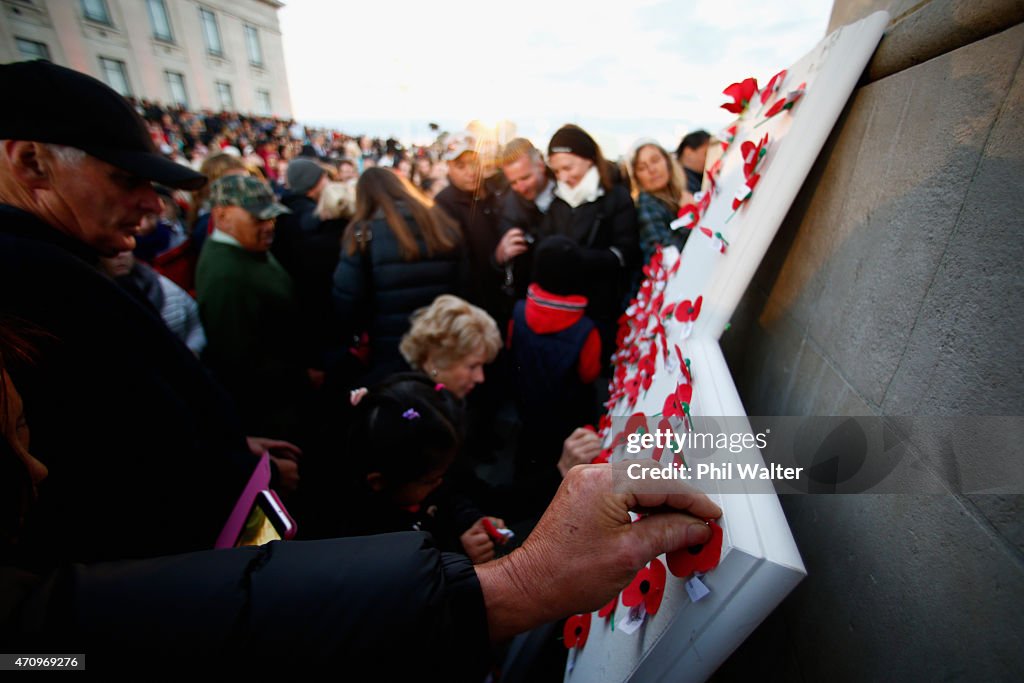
(215, 54)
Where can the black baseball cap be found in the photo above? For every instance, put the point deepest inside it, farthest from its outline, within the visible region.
(49, 103)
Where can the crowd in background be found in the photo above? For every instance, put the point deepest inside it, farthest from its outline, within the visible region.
(420, 337)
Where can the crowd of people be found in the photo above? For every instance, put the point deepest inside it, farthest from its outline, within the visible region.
(182, 293)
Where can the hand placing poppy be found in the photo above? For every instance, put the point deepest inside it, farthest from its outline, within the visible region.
(647, 588)
(576, 630)
(698, 558)
(741, 93)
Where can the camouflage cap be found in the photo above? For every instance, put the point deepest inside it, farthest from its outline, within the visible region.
(252, 194)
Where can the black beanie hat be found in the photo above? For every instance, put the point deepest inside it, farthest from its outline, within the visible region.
(558, 266)
(572, 139)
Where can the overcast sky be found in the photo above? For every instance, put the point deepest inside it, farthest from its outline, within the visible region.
(620, 69)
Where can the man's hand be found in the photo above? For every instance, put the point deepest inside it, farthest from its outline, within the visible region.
(512, 244)
(585, 548)
(580, 448)
(477, 543)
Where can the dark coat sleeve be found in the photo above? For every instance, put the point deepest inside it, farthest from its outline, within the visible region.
(392, 601)
(349, 292)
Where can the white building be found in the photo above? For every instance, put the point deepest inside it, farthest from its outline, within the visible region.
(214, 54)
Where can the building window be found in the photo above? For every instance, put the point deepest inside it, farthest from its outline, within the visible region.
(96, 10)
(176, 86)
(224, 95)
(263, 102)
(252, 42)
(116, 75)
(211, 33)
(159, 20)
(30, 49)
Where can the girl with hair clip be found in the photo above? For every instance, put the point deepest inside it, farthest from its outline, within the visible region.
(399, 253)
(404, 435)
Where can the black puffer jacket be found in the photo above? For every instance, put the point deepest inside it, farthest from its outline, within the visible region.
(392, 601)
(376, 291)
(606, 230)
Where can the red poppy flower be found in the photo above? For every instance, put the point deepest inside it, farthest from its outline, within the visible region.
(647, 587)
(704, 202)
(786, 102)
(773, 86)
(745, 191)
(728, 135)
(688, 216)
(668, 310)
(602, 457)
(713, 174)
(577, 628)
(699, 558)
(632, 389)
(677, 403)
(684, 365)
(609, 609)
(687, 311)
(752, 154)
(741, 93)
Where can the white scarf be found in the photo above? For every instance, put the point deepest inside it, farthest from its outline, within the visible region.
(588, 189)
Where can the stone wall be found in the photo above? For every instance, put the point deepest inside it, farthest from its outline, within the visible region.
(896, 287)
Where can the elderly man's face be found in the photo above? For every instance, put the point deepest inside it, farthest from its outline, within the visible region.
(99, 204)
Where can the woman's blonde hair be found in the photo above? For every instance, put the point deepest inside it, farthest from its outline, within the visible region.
(448, 330)
(671, 193)
(337, 200)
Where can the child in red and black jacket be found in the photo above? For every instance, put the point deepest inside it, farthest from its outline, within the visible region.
(556, 358)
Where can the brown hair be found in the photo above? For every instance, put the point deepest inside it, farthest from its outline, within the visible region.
(671, 193)
(380, 191)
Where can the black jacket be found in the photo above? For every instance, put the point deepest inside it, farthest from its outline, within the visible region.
(393, 602)
(606, 230)
(146, 452)
(478, 218)
(377, 291)
(517, 212)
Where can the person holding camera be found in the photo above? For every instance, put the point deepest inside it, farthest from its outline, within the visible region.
(521, 212)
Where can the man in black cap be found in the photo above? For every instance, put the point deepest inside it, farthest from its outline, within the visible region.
(124, 417)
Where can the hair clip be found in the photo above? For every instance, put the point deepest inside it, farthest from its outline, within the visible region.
(411, 414)
(439, 386)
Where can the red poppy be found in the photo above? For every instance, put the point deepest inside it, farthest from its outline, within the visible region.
(609, 609)
(728, 135)
(668, 310)
(647, 587)
(786, 102)
(752, 154)
(773, 86)
(687, 311)
(698, 558)
(632, 388)
(602, 457)
(684, 366)
(745, 191)
(741, 93)
(713, 173)
(577, 628)
(688, 216)
(677, 403)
